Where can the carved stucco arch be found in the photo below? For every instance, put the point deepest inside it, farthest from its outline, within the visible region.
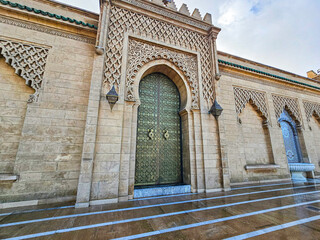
(256, 98)
(312, 109)
(28, 61)
(184, 65)
(291, 105)
(171, 71)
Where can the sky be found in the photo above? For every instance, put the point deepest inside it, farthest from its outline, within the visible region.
(281, 33)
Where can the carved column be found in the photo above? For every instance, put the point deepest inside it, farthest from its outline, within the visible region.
(89, 142)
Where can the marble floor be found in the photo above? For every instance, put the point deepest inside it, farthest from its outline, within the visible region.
(281, 210)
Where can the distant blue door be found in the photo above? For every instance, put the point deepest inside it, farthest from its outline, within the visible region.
(290, 137)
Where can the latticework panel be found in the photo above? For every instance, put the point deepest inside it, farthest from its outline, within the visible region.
(243, 96)
(281, 102)
(122, 20)
(311, 108)
(28, 61)
(141, 52)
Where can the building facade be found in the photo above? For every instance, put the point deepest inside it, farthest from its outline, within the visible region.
(61, 140)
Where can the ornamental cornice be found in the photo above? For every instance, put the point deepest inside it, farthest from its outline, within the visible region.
(45, 13)
(248, 69)
(149, 6)
(48, 30)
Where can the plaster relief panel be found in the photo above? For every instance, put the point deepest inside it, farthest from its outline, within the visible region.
(122, 20)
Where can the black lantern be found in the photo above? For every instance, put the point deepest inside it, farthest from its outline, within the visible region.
(216, 109)
(112, 97)
(166, 2)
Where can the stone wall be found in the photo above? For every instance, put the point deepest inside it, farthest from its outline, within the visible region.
(255, 138)
(48, 132)
(315, 129)
(14, 94)
(259, 128)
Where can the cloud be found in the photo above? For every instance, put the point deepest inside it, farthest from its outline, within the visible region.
(280, 33)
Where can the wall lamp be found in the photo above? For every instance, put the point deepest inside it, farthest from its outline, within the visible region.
(112, 97)
(216, 109)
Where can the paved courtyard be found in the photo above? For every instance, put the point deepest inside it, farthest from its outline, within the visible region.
(266, 211)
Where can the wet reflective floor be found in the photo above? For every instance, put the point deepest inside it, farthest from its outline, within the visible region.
(267, 211)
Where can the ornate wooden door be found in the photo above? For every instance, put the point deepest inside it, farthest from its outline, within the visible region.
(158, 155)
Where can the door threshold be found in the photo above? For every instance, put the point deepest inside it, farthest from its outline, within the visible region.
(161, 190)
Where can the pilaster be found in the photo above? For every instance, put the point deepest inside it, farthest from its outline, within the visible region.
(89, 141)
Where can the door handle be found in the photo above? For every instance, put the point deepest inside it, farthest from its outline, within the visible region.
(150, 134)
(166, 134)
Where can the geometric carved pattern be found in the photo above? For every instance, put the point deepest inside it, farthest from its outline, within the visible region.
(243, 96)
(281, 102)
(28, 61)
(122, 20)
(311, 108)
(140, 53)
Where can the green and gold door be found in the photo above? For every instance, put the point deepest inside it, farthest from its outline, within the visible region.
(158, 155)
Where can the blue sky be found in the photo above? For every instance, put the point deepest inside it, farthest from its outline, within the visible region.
(280, 33)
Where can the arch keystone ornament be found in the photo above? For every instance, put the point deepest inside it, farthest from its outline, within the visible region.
(28, 61)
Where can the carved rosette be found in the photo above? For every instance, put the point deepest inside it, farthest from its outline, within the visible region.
(282, 102)
(243, 96)
(311, 108)
(122, 20)
(140, 53)
(28, 61)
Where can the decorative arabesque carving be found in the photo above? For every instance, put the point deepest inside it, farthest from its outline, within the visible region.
(311, 108)
(281, 102)
(140, 53)
(243, 96)
(28, 61)
(122, 20)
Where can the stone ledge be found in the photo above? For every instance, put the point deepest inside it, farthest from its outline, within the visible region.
(301, 167)
(161, 191)
(8, 177)
(254, 167)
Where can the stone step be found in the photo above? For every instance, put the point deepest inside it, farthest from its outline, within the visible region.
(161, 191)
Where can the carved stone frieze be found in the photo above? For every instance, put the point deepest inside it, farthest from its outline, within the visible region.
(28, 61)
(37, 27)
(122, 20)
(282, 102)
(169, 14)
(140, 53)
(311, 108)
(242, 96)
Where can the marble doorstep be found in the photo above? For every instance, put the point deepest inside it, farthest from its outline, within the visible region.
(161, 191)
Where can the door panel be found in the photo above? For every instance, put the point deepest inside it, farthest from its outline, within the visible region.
(158, 156)
(289, 142)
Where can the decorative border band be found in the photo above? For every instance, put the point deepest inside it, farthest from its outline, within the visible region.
(44, 13)
(47, 30)
(265, 73)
